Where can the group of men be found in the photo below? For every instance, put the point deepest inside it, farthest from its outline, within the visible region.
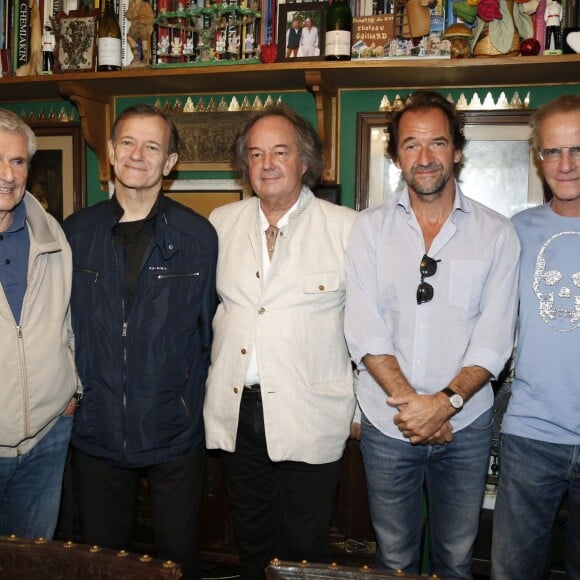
(421, 293)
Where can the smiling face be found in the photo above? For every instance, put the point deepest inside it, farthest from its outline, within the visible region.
(563, 176)
(426, 155)
(139, 155)
(275, 168)
(13, 173)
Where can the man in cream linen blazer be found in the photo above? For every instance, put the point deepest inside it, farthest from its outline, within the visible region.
(280, 398)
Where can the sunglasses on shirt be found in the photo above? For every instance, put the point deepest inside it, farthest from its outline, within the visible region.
(427, 268)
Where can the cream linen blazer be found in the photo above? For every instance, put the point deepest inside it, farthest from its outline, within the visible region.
(294, 319)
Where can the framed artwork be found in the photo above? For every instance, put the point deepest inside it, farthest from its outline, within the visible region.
(301, 31)
(204, 195)
(76, 41)
(56, 176)
(206, 139)
(499, 167)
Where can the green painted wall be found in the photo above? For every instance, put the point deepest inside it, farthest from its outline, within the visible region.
(351, 102)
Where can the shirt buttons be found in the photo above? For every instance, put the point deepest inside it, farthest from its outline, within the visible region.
(170, 246)
(258, 274)
(321, 287)
(236, 390)
(243, 351)
(262, 310)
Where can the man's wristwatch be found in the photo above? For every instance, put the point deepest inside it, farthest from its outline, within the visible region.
(455, 399)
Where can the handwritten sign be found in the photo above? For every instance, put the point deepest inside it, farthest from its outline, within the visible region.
(373, 29)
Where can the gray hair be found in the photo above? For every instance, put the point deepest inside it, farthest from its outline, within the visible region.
(563, 104)
(11, 122)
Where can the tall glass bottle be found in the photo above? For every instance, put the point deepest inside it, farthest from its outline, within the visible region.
(109, 40)
(337, 43)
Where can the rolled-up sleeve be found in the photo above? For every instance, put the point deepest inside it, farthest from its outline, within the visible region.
(492, 340)
(365, 328)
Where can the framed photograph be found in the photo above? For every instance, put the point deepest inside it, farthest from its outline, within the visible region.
(76, 41)
(57, 173)
(301, 31)
(206, 139)
(499, 167)
(204, 195)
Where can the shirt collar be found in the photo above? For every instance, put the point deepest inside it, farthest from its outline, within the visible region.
(119, 211)
(283, 221)
(459, 203)
(18, 218)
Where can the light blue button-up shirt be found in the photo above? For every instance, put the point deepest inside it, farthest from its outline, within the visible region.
(470, 320)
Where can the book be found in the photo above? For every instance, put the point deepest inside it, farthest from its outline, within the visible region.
(22, 35)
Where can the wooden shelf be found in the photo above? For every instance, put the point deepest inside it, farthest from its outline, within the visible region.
(416, 73)
(94, 93)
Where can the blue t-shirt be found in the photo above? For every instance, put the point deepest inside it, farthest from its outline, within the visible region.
(14, 249)
(545, 401)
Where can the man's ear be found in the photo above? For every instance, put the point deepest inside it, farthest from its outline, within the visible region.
(170, 163)
(111, 151)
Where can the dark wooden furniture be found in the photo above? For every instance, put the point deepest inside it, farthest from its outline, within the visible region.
(22, 559)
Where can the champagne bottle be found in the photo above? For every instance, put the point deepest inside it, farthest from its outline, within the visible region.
(109, 43)
(337, 43)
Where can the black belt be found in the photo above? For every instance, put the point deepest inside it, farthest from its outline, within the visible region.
(252, 391)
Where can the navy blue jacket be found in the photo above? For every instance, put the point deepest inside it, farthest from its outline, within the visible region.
(143, 371)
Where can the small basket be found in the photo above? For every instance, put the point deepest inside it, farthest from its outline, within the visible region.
(484, 48)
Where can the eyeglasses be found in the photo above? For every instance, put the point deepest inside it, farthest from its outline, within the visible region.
(555, 153)
(427, 268)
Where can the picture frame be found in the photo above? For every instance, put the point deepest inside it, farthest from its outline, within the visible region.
(205, 139)
(204, 195)
(499, 166)
(56, 176)
(300, 13)
(76, 41)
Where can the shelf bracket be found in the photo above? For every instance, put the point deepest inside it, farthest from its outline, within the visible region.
(325, 98)
(96, 114)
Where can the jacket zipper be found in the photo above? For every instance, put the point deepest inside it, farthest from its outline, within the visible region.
(162, 276)
(23, 380)
(93, 272)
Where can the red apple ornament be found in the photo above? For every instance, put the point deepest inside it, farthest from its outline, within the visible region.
(268, 53)
(530, 47)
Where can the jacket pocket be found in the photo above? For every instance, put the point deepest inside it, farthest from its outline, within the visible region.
(320, 282)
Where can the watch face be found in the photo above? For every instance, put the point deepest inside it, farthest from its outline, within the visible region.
(456, 401)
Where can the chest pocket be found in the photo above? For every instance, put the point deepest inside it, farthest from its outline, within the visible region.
(320, 283)
(466, 283)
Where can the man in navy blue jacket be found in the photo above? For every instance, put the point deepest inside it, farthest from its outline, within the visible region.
(143, 299)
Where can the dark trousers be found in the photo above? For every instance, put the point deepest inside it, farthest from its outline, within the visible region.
(108, 505)
(280, 509)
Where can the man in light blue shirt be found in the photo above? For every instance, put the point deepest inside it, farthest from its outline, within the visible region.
(540, 449)
(430, 311)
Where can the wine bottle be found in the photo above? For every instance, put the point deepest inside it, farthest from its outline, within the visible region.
(337, 44)
(109, 40)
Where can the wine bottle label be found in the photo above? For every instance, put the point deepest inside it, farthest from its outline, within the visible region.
(337, 43)
(109, 51)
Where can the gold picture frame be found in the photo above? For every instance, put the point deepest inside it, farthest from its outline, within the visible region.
(204, 195)
(206, 139)
(56, 176)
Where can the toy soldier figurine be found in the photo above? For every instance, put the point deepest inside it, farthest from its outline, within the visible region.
(48, 44)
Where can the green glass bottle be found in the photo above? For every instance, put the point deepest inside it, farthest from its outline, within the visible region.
(337, 40)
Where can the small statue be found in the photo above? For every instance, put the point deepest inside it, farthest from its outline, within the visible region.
(140, 14)
(553, 18)
(163, 46)
(176, 46)
(48, 44)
